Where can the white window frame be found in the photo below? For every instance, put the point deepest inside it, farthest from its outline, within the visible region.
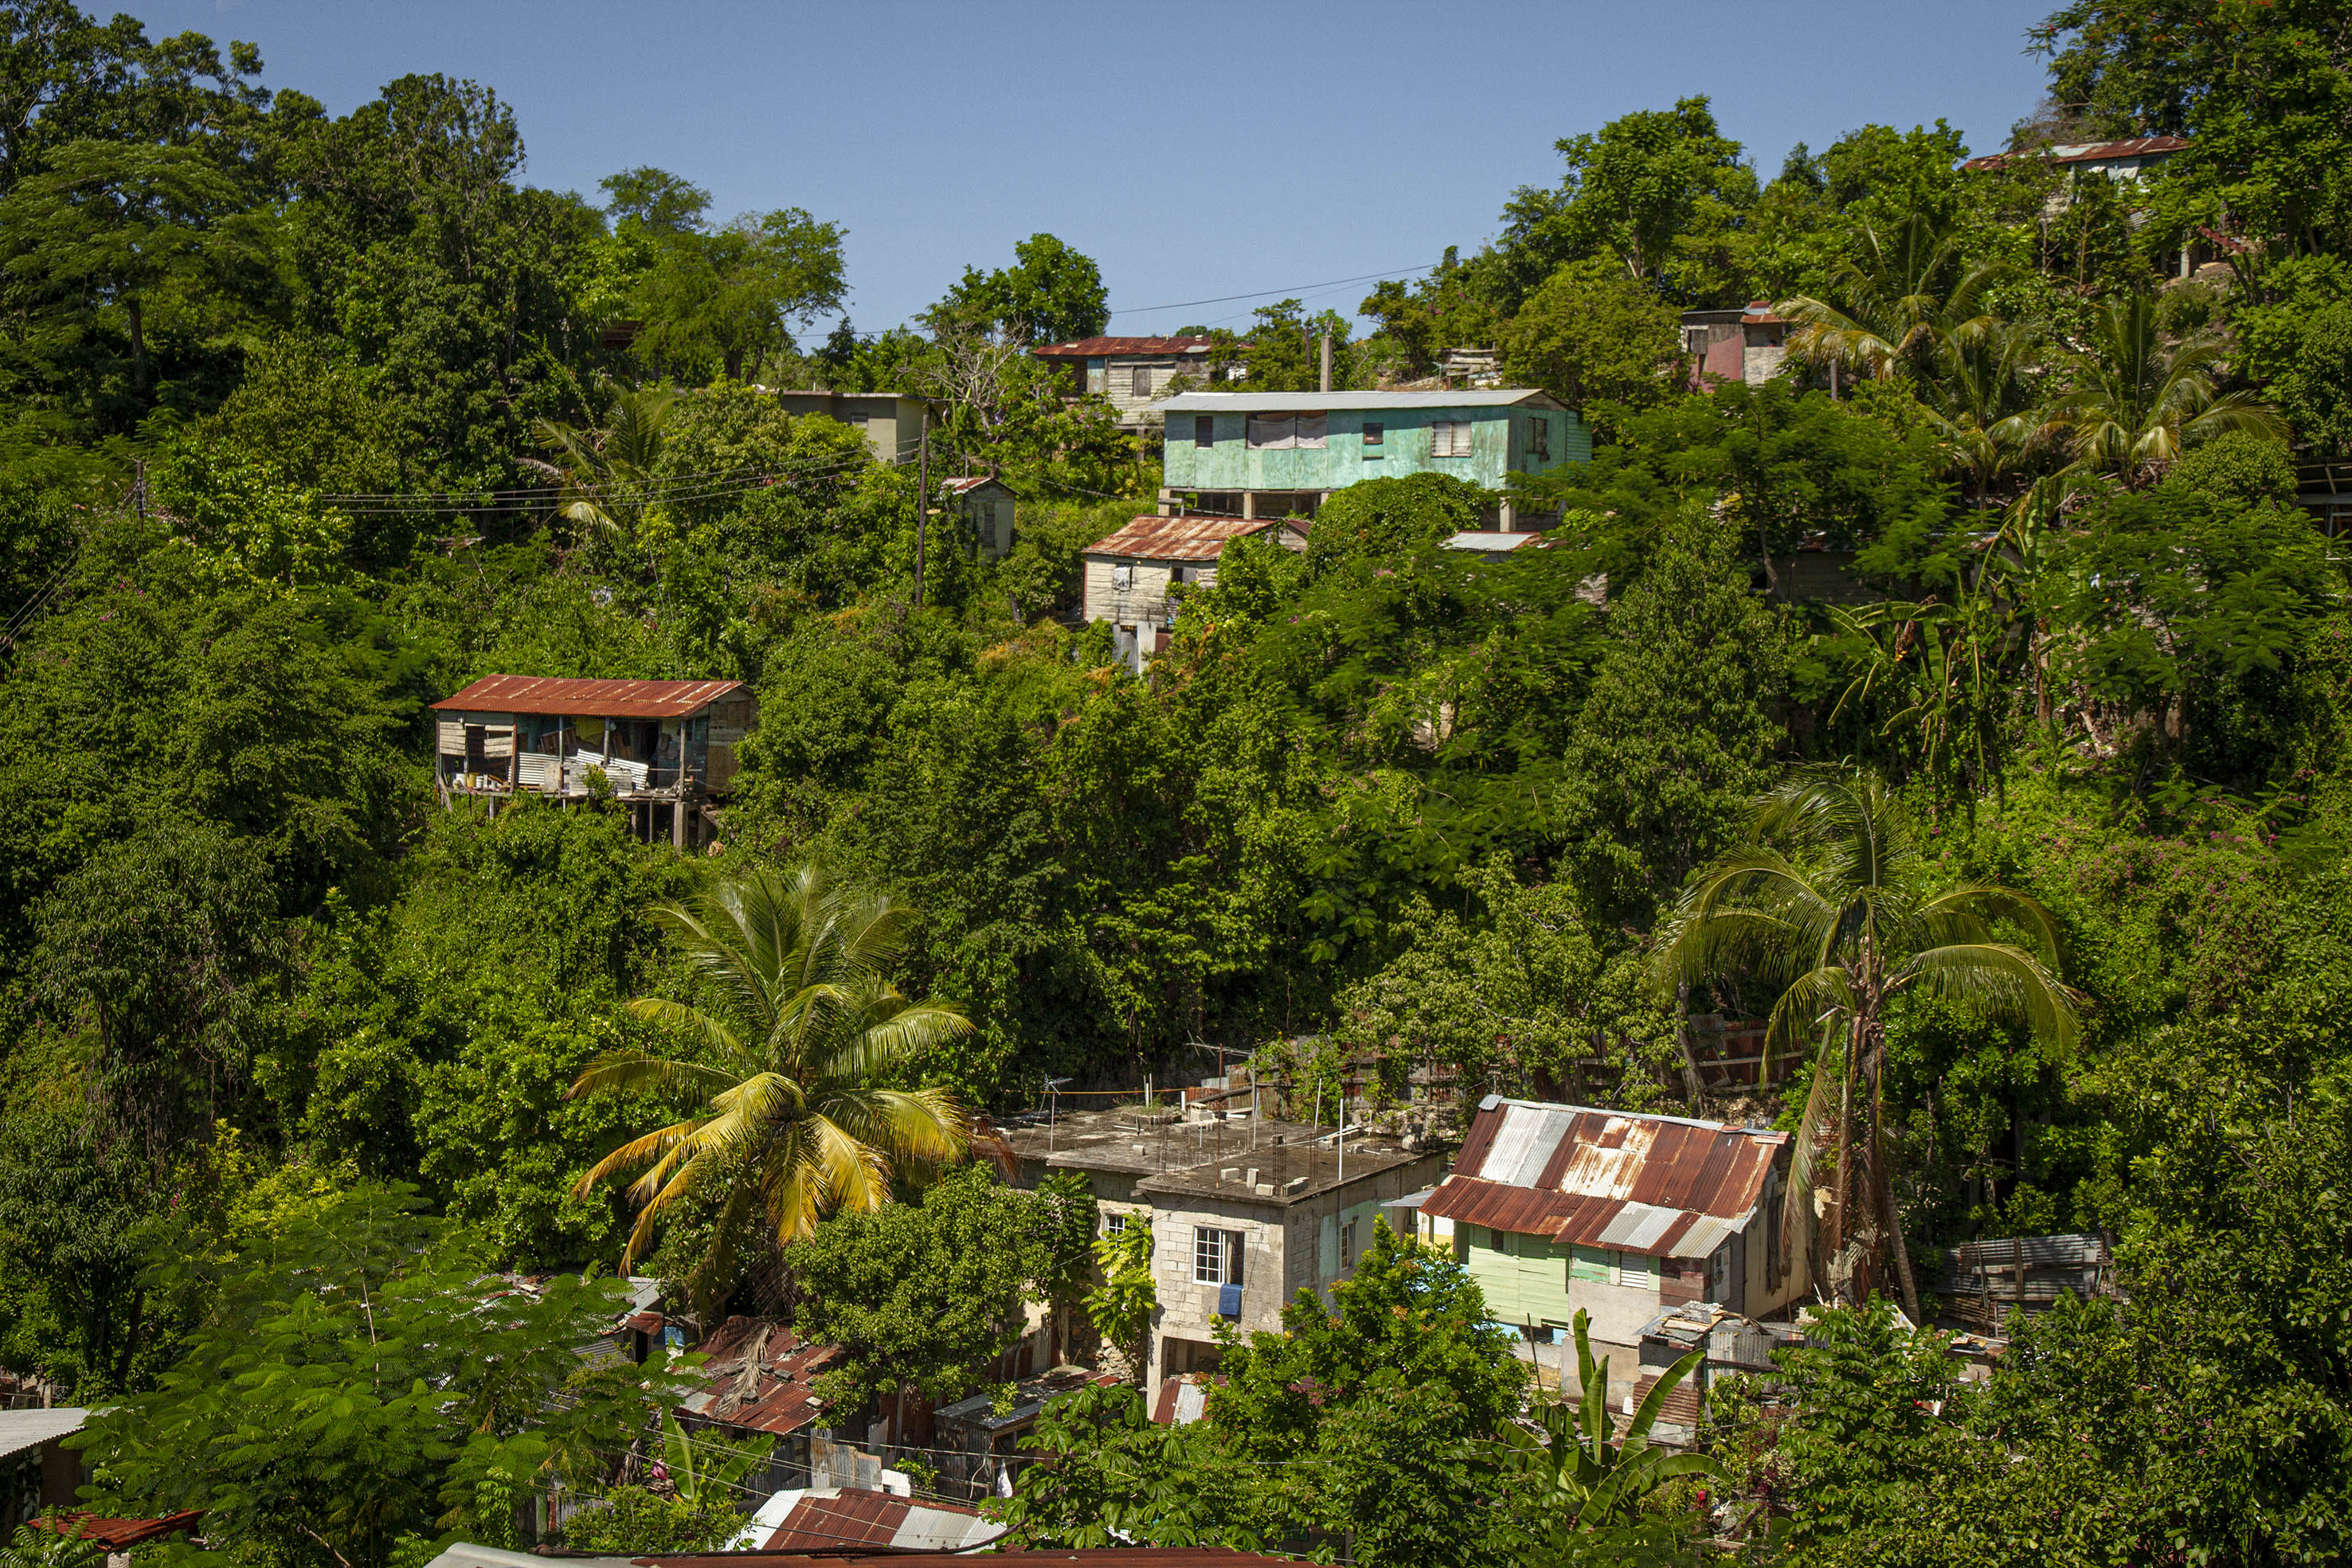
(1216, 1256)
(1113, 1224)
(1450, 438)
(1348, 1244)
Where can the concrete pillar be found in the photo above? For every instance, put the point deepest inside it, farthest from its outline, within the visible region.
(1510, 519)
(1249, 503)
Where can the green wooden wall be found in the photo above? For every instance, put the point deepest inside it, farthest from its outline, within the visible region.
(1498, 441)
(1525, 1276)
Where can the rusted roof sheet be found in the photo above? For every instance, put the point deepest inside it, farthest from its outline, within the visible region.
(1613, 1179)
(118, 1534)
(593, 699)
(772, 1395)
(967, 482)
(2090, 152)
(839, 1524)
(1098, 348)
(1179, 539)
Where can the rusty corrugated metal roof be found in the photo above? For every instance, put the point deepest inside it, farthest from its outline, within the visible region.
(2089, 151)
(773, 1396)
(1595, 1177)
(1097, 347)
(841, 1522)
(589, 698)
(1179, 539)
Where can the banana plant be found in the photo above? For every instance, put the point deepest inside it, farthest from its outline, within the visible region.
(708, 1471)
(1594, 1478)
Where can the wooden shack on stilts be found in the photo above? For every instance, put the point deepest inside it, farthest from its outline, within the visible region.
(665, 751)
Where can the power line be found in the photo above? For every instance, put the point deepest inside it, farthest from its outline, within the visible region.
(1294, 289)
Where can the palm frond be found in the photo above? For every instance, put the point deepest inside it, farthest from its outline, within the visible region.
(625, 1069)
(1998, 981)
(1983, 901)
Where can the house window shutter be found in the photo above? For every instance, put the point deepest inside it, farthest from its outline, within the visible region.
(1311, 428)
(1204, 430)
(1140, 380)
(1273, 432)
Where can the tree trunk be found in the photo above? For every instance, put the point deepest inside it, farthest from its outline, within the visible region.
(1884, 1197)
(138, 347)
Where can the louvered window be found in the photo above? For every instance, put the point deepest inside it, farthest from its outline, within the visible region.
(1449, 438)
(1204, 430)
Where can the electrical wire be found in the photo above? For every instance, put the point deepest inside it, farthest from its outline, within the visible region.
(1269, 293)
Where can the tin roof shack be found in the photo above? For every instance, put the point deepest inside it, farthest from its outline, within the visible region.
(1558, 1208)
(37, 1470)
(1245, 1215)
(1746, 345)
(1133, 374)
(978, 1446)
(1264, 453)
(1128, 574)
(663, 749)
(892, 423)
(985, 508)
(1980, 1283)
(1726, 1343)
(118, 1537)
(757, 1380)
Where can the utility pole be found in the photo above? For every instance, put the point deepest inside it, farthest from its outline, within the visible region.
(922, 498)
(1326, 361)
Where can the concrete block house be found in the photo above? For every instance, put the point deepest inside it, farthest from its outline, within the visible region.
(1243, 1215)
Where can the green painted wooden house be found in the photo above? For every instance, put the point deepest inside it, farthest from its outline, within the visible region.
(1555, 1208)
(1254, 454)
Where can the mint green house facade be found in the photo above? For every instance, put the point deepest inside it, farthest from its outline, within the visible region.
(1278, 454)
(1557, 1210)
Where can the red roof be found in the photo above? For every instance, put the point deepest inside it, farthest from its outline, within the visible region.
(592, 698)
(774, 1395)
(2090, 152)
(1180, 539)
(120, 1534)
(838, 1523)
(1097, 347)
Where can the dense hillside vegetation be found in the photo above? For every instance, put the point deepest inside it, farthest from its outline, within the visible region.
(307, 421)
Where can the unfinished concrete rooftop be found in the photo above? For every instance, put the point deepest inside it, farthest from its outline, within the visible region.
(1207, 1159)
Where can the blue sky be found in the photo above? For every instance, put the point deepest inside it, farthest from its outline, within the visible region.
(1195, 150)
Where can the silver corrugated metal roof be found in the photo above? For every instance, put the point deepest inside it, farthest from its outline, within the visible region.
(1707, 1233)
(1638, 1226)
(23, 1430)
(1365, 401)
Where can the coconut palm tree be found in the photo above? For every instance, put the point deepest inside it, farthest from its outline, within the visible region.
(606, 473)
(1978, 390)
(1903, 302)
(798, 1058)
(2136, 402)
(1833, 901)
